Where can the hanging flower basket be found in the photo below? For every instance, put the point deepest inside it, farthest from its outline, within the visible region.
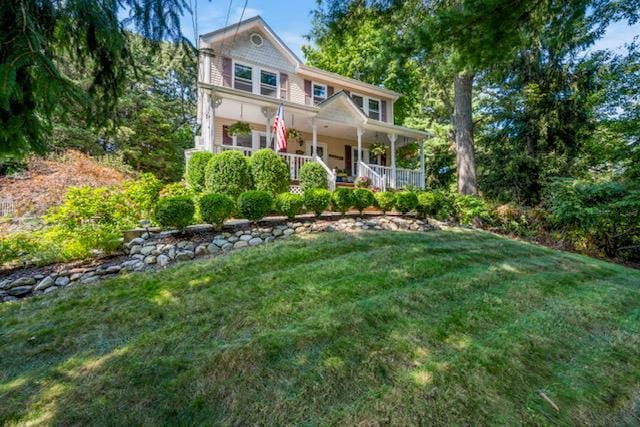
(377, 149)
(239, 129)
(295, 135)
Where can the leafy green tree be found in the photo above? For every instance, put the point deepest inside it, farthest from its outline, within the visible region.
(44, 43)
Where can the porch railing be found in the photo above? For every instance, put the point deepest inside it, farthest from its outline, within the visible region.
(377, 180)
(295, 162)
(247, 151)
(408, 178)
(331, 176)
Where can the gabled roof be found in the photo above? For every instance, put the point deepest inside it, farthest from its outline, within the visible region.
(342, 99)
(247, 24)
(312, 72)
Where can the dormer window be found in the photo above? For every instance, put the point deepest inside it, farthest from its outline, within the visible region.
(319, 93)
(243, 77)
(268, 83)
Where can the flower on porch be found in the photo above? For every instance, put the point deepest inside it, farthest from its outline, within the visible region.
(295, 135)
(239, 129)
(363, 182)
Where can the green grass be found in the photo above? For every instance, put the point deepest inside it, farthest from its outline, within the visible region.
(374, 328)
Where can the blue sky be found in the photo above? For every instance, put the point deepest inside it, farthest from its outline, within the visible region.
(291, 20)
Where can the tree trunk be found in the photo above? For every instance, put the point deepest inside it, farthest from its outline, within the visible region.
(463, 125)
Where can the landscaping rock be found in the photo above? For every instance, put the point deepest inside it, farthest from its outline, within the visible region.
(201, 250)
(20, 290)
(45, 283)
(255, 241)
(22, 281)
(212, 248)
(62, 281)
(150, 259)
(288, 232)
(240, 244)
(246, 237)
(184, 255)
(163, 260)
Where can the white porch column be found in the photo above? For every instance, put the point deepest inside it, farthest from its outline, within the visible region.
(268, 113)
(314, 149)
(212, 105)
(359, 132)
(392, 137)
(422, 177)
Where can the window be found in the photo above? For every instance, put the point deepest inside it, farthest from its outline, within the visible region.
(359, 101)
(263, 140)
(319, 93)
(243, 77)
(244, 141)
(268, 83)
(374, 109)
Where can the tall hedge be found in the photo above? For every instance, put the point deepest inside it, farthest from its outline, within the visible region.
(196, 169)
(270, 172)
(313, 175)
(228, 173)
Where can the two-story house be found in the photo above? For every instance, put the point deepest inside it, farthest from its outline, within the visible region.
(246, 71)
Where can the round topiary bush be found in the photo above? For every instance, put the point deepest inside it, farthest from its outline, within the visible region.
(313, 175)
(342, 200)
(175, 211)
(289, 204)
(228, 173)
(385, 200)
(196, 170)
(362, 199)
(317, 200)
(269, 171)
(216, 208)
(406, 201)
(254, 204)
(426, 204)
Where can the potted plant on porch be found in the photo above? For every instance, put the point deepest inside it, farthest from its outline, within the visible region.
(239, 129)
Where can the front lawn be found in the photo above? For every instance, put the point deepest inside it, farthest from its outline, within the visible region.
(373, 328)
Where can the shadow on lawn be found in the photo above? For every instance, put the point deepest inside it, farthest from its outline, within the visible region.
(348, 330)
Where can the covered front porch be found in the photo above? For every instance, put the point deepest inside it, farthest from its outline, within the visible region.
(335, 133)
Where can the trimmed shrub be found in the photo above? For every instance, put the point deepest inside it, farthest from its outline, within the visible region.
(342, 200)
(385, 200)
(313, 175)
(289, 204)
(228, 173)
(254, 204)
(426, 204)
(317, 200)
(216, 208)
(196, 170)
(406, 201)
(175, 211)
(362, 199)
(269, 171)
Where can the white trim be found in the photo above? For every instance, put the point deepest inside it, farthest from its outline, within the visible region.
(326, 91)
(256, 74)
(354, 159)
(365, 104)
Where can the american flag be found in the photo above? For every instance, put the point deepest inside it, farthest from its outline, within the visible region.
(279, 130)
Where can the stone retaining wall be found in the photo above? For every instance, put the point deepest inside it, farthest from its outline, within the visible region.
(155, 250)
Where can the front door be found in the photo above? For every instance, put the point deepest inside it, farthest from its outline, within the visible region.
(354, 159)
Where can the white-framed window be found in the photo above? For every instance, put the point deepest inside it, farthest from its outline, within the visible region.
(319, 92)
(257, 139)
(369, 106)
(268, 83)
(242, 77)
(374, 108)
